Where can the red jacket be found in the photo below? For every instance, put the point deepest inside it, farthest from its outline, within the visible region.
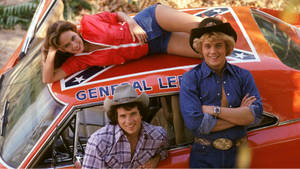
(104, 29)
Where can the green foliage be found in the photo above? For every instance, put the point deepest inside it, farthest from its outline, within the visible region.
(78, 5)
(22, 14)
(73, 7)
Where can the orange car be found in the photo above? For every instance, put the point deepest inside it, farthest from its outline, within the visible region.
(48, 125)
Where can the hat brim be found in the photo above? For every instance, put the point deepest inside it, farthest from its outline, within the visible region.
(224, 28)
(143, 98)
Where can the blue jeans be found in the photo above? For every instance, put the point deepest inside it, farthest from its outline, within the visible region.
(209, 157)
(158, 38)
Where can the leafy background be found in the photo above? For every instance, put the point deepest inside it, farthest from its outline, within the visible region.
(15, 15)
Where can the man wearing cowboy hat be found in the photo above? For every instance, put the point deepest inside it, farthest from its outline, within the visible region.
(218, 100)
(128, 141)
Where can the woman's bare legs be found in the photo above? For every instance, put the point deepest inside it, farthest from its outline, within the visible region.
(175, 21)
(179, 45)
(180, 24)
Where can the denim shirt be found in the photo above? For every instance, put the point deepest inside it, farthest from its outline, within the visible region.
(202, 86)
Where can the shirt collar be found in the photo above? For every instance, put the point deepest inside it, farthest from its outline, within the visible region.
(229, 68)
(146, 129)
(207, 70)
(118, 132)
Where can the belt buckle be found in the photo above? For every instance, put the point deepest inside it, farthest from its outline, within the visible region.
(222, 143)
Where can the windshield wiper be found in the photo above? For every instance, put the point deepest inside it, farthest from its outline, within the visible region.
(1, 79)
(31, 30)
(4, 118)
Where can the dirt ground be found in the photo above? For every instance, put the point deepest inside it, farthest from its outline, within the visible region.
(9, 41)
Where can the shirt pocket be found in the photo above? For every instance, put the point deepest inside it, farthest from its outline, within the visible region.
(203, 95)
(119, 32)
(145, 156)
(112, 162)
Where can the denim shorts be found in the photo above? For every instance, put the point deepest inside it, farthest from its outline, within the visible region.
(157, 38)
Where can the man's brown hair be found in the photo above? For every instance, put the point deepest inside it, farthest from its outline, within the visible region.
(113, 114)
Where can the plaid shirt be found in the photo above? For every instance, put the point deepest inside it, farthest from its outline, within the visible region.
(109, 148)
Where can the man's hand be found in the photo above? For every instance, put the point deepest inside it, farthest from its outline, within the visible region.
(208, 109)
(247, 101)
(151, 163)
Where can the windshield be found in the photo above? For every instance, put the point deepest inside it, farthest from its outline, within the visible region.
(30, 108)
(282, 37)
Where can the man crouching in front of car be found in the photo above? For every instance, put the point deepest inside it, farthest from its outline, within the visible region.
(127, 142)
(218, 100)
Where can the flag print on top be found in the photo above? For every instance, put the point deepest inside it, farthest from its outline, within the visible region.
(244, 50)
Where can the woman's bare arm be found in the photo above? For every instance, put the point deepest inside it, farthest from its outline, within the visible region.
(50, 74)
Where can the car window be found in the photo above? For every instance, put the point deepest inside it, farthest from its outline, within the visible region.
(163, 111)
(168, 116)
(30, 107)
(267, 120)
(30, 110)
(60, 151)
(283, 38)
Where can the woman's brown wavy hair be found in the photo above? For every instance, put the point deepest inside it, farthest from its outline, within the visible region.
(52, 39)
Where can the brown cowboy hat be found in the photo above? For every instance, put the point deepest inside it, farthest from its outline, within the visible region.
(217, 26)
(125, 94)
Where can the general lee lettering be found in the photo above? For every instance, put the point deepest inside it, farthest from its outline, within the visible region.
(104, 91)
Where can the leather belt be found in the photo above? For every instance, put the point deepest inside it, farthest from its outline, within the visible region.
(221, 143)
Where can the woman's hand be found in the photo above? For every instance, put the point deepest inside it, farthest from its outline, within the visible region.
(48, 53)
(52, 52)
(136, 30)
(50, 74)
